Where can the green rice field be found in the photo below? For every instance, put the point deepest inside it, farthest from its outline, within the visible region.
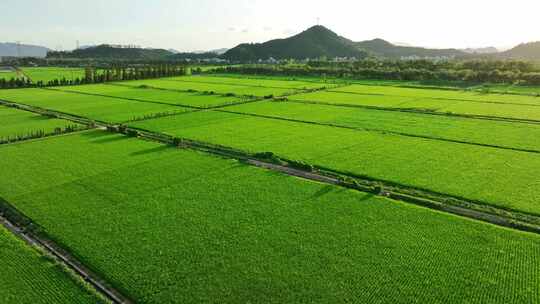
(141, 214)
(164, 224)
(21, 123)
(451, 168)
(525, 111)
(28, 276)
(100, 108)
(9, 75)
(458, 95)
(191, 99)
(220, 88)
(46, 74)
(255, 82)
(475, 131)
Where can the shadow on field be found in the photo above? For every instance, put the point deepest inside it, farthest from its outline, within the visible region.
(95, 134)
(39, 117)
(149, 151)
(326, 190)
(333, 189)
(108, 138)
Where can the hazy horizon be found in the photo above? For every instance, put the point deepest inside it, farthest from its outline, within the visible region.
(206, 24)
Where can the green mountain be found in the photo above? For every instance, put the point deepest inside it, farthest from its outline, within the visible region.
(385, 49)
(524, 51)
(315, 42)
(105, 51)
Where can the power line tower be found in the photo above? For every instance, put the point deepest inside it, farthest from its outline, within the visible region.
(78, 46)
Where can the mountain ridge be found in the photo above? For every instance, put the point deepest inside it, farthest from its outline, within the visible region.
(523, 51)
(382, 48)
(315, 42)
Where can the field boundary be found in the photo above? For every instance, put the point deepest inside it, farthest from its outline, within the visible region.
(439, 98)
(474, 87)
(419, 111)
(472, 209)
(263, 77)
(81, 119)
(249, 85)
(379, 131)
(294, 91)
(25, 229)
(122, 98)
(482, 210)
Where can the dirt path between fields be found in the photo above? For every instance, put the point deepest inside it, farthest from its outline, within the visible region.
(67, 260)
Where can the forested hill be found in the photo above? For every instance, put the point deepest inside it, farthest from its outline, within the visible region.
(525, 51)
(112, 52)
(315, 42)
(385, 49)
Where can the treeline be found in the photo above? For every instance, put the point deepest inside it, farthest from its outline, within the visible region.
(93, 75)
(41, 133)
(476, 71)
(135, 73)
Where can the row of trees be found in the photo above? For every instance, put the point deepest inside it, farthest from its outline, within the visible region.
(93, 75)
(510, 72)
(41, 133)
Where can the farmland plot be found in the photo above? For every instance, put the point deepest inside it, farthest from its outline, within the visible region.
(516, 89)
(94, 107)
(460, 95)
(442, 106)
(29, 277)
(153, 95)
(9, 75)
(171, 84)
(142, 215)
(483, 132)
(18, 123)
(46, 74)
(255, 82)
(500, 177)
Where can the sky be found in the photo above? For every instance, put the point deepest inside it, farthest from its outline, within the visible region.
(192, 25)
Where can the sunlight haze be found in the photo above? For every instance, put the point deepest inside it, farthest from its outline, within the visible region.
(191, 25)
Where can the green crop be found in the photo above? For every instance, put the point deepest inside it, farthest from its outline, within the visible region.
(476, 131)
(168, 225)
(239, 90)
(18, 123)
(27, 276)
(46, 74)
(193, 99)
(528, 109)
(500, 177)
(94, 107)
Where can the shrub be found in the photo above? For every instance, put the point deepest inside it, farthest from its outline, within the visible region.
(301, 165)
(177, 141)
(264, 155)
(132, 133)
